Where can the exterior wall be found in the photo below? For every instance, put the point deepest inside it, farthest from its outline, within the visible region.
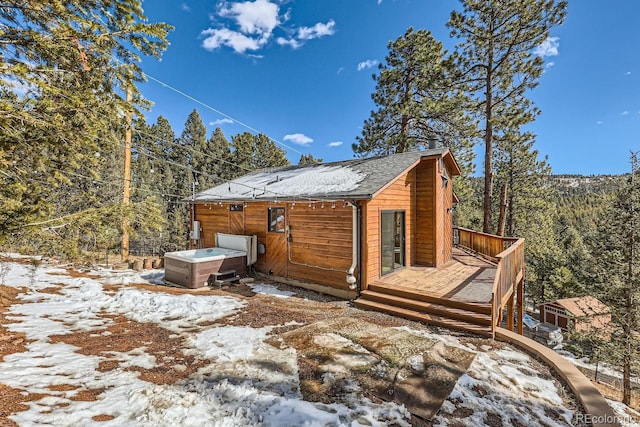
(401, 196)
(426, 194)
(213, 219)
(321, 241)
(444, 214)
(317, 249)
(555, 315)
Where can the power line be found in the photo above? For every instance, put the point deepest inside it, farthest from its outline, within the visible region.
(193, 150)
(217, 111)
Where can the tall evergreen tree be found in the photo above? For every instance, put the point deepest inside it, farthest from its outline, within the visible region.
(189, 154)
(417, 102)
(529, 211)
(250, 152)
(63, 65)
(498, 66)
(617, 272)
(219, 155)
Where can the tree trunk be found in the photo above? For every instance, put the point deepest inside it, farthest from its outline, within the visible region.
(503, 209)
(488, 146)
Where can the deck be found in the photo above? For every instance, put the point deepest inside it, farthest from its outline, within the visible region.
(470, 293)
(467, 278)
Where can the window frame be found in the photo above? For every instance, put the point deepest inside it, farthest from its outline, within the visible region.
(272, 223)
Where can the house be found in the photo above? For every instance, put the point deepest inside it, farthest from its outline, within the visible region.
(582, 314)
(336, 227)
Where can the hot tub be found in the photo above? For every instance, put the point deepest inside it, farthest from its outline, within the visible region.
(192, 268)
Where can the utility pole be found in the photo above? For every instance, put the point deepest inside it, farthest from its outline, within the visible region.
(126, 181)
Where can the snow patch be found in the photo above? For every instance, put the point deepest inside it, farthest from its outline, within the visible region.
(261, 288)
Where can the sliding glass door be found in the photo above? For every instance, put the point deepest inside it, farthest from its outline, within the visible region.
(392, 241)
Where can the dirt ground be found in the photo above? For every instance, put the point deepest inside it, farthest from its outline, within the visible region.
(316, 325)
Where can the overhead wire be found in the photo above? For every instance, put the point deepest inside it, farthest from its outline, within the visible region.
(178, 91)
(193, 150)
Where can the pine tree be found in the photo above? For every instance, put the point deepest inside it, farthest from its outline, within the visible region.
(64, 64)
(529, 212)
(498, 67)
(220, 155)
(308, 159)
(617, 272)
(189, 153)
(417, 103)
(251, 152)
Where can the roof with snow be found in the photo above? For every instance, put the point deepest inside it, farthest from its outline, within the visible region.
(349, 179)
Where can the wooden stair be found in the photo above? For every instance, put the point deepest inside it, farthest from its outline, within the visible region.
(458, 315)
(225, 277)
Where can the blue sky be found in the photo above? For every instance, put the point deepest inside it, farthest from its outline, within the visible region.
(300, 72)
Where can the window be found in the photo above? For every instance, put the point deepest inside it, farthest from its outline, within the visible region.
(236, 208)
(276, 220)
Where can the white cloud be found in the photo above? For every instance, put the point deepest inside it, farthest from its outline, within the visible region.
(628, 73)
(220, 122)
(298, 138)
(340, 70)
(599, 122)
(625, 113)
(550, 64)
(549, 47)
(249, 25)
(318, 30)
(379, 1)
(295, 44)
(367, 64)
(233, 39)
(335, 144)
(185, 7)
(258, 17)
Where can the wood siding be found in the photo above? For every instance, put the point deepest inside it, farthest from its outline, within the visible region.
(444, 214)
(426, 214)
(213, 219)
(317, 249)
(321, 243)
(400, 196)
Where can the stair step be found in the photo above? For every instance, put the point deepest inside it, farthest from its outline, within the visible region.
(478, 307)
(234, 279)
(424, 317)
(224, 273)
(438, 309)
(220, 278)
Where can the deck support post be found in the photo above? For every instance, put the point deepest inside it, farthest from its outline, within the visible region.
(520, 304)
(510, 313)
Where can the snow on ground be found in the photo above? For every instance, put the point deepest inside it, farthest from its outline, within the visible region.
(584, 362)
(500, 382)
(246, 380)
(261, 288)
(627, 417)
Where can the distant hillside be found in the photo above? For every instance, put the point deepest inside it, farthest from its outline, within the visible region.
(570, 185)
(581, 199)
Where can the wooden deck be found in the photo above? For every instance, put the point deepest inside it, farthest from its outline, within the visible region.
(466, 278)
(470, 293)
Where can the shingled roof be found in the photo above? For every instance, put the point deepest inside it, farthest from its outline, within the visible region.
(349, 179)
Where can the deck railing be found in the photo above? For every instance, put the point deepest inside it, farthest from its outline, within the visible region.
(508, 254)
